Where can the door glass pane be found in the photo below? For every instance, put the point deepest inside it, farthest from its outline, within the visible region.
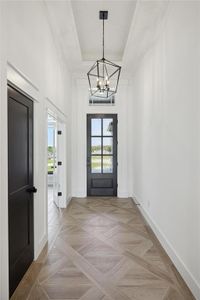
(107, 164)
(96, 146)
(95, 127)
(96, 164)
(107, 127)
(108, 145)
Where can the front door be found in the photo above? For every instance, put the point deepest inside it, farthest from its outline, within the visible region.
(20, 185)
(102, 155)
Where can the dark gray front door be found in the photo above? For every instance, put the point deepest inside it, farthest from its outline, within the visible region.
(102, 155)
(20, 185)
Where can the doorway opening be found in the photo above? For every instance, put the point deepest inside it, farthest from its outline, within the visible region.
(56, 170)
(102, 155)
(52, 177)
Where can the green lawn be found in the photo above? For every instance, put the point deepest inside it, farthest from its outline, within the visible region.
(96, 163)
(50, 165)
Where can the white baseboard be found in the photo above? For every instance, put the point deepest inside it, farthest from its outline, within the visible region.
(40, 246)
(69, 198)
(79, 194)
(122, 194)
(179, 264)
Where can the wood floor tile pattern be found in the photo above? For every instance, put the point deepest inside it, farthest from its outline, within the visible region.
(101, 249)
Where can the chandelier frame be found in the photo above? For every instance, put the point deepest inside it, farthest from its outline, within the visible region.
(101, 69)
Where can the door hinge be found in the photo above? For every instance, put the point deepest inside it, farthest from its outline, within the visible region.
(59, 193)
(59, 163)
(59, 132)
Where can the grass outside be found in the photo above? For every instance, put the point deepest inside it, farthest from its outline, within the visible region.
(96, 162)
(50, 165)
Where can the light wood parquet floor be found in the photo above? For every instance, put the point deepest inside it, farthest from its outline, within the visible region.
(101, 249)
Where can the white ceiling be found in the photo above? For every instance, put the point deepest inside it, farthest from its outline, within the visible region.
(130, 30)
(89, 27)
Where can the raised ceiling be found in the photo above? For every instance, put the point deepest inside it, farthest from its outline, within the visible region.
(131, 29)
(89, 27)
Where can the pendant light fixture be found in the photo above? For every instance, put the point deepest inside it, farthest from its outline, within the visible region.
(104, 75)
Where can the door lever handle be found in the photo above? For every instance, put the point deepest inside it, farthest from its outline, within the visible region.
(32, 190)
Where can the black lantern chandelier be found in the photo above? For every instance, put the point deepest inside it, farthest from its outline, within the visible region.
(104, 75)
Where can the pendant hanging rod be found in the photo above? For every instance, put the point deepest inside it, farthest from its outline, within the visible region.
(103, 38)
(103, 15)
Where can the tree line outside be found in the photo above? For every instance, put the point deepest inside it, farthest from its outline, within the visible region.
(107, 148)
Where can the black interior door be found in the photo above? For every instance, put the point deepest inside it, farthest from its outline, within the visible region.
(102, 155)
(20, 185)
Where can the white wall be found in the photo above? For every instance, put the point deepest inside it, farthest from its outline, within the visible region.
(80, 109)
(3, 169)
(165, 94)
(27, 43)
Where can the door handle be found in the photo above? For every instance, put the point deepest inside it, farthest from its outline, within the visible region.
(32, 190)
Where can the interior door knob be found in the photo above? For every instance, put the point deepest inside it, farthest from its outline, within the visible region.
(32, 190)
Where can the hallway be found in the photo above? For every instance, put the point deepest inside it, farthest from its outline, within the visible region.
(102, 250)
(100, 99)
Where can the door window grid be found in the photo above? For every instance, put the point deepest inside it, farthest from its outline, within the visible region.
(102, 159)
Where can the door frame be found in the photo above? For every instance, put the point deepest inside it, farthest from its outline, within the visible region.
(18, 80)
(62, 125)
(27, 101)
(115, 174)
(55, 143)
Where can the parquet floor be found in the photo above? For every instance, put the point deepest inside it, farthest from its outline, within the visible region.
(101, 249)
